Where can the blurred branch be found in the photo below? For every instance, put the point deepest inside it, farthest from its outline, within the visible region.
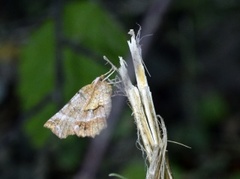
(59, 75)
(98, 146)
(152, 22)
(81, 50)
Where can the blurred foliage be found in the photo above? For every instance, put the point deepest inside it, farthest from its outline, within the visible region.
(33, 126)
(69, 152)
(134, 169)
(213, 108)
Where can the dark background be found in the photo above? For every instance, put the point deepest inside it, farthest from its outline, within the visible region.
(50, 49)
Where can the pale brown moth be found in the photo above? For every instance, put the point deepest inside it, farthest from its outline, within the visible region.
(86, 113)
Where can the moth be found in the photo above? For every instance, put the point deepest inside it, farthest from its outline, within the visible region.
(86, 113)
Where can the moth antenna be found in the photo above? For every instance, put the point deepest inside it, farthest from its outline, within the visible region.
(111, 71)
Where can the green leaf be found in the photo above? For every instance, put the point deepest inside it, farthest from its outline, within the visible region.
(36, 67)
(34, 126)
(80, 71)
(88, 24)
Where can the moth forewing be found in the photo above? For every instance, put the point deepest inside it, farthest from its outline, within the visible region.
(86, 113)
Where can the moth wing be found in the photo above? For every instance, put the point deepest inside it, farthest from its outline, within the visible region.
(92, 120)
(62, 123)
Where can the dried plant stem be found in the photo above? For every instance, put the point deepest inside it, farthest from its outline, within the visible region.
(143, 87)
(153, 133)
(138, 111)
